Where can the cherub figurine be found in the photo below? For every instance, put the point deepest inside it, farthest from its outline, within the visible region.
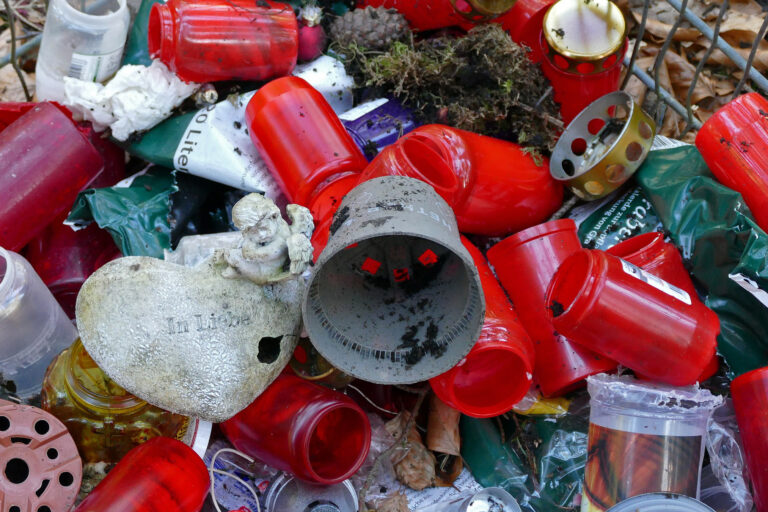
(271, 250)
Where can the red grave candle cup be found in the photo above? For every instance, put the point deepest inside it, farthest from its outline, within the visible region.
(161, 475)
(497, 372)
(210, 40)
(651, 253)
(315, 433)
(523, 23)
(750, 400)
(301, 139)
(525, 264)
(622, 312)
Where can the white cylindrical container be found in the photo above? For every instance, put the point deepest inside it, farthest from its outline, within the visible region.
(33, 327)
(82, 39)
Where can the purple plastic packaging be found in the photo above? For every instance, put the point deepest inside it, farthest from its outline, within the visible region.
(378, 123)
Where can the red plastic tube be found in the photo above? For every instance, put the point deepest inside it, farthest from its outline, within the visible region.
(497, 372)
(40, 181)
(161, 475)
(324, 207)
(574, 91)
(750, 401)
(301, 138)
(525, 263)
(318, 434)
(523, 23)
(210, 40)
(627, 314)
(734, 144)
(493, 186)
(651, 253)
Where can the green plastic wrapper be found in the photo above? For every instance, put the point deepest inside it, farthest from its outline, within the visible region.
(136, 49)
(724, 249)
(540, 462)
(137, 215)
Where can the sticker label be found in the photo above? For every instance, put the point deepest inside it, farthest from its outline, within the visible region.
(660, 142)
(94, 68)
(657, 283)
(751, 286)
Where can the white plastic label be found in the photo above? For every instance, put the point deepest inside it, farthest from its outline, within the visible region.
(751, 286)
(657, 283)
(94, 68)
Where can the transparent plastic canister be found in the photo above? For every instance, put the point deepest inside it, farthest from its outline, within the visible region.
(82, 39)
(105, 420)
(33, 327)
(643, 438)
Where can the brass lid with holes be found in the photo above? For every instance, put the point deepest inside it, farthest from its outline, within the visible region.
(584, 30)
(603, 146)
(482, 10)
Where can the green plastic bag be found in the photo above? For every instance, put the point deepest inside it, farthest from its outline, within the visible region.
(540, 462)
(718, 237)
(136, 49)
(136, 216)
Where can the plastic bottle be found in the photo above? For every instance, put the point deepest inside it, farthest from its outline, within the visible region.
(583, 43)
(317, 434)
(493, 186)
(161, 475)
(33, 327)
(622, 312)
(104, 419)
(497, 372)
(525, 263)
(82, 39)
(210, 40)
(734, 144)
(300, 137)
(40, 181)
(750, 400)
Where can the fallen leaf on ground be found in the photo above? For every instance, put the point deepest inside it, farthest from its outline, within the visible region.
(414, 465)
(396, 502)
(443, 428)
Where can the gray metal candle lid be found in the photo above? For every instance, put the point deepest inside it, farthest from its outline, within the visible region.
(287, 493)
(395, 297)
(660, 502)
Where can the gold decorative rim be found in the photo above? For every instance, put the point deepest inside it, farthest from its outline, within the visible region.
(567, 17)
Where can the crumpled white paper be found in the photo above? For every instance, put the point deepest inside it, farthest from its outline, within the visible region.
(136, 99)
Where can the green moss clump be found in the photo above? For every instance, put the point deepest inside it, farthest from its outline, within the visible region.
(482, 82)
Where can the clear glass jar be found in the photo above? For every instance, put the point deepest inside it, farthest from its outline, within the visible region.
(82, 39)
(33, 327)
(104, 419)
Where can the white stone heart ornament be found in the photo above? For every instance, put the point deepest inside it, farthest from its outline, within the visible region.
(202, 341)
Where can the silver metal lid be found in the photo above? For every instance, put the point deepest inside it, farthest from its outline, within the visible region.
(660, 502)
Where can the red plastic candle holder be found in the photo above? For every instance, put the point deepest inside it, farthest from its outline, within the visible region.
(317, 434)
(525, 264)
(161, 475)
(622, 312)
(493, 186)
(210, 40)
(750, 401)
(497, 372)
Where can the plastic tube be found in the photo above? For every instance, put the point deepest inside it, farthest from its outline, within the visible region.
(750, 400)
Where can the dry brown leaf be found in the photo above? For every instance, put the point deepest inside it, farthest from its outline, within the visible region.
(10, 86)
(443, 428)
(741, 21)
(657, 31)
(718, 58)
(445, 476)
(414, 465)
(681, 74)
(396, 502)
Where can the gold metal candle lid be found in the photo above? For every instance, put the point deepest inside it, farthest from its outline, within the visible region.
(482, 10)
(584, 30)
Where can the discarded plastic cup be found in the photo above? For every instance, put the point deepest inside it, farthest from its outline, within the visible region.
(750, 400)
(497, 372)
(286, 493)
(525, 264)
(40, 184)
(301, 139)
(622, 312)
(315, 433)
(492, 185)
(34, 327)
(660, 502)
(211, 40)
(643, 438)
(161, 475)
